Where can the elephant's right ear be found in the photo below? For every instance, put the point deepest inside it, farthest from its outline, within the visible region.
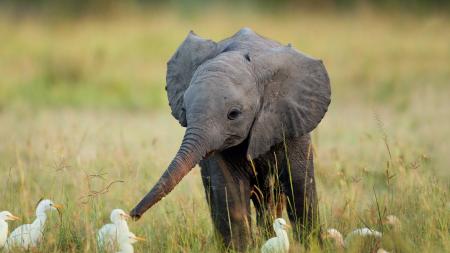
(192, 53)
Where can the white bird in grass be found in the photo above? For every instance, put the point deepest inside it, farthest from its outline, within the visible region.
(362, 232)
(341, 243)
(4, 217)
(29, 235)
(110, 234)
(280, 243)
(391, 220)
(126, 242)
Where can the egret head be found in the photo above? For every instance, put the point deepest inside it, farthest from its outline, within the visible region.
(47, 205)
(132, 238)
(118, 215)
(280, 223)
(7, 216)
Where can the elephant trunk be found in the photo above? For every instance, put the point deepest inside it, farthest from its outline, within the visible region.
(191, 151)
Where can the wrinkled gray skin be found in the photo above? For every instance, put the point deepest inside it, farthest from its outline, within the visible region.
(248, 104)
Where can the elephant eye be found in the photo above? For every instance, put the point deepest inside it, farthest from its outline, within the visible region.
(233, 114)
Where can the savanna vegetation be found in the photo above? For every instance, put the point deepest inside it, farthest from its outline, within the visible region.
(84, 121)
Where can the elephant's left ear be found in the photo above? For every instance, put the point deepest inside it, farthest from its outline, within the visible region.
(295, 94)
(192, 53)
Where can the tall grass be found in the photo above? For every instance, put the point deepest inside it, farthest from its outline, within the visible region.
(52, 154)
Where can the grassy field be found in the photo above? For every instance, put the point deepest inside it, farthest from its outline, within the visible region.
(84, 121)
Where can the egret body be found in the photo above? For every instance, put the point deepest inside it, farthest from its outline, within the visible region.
(29, 235)
(339, 239)
(111, 234)
(362, 232)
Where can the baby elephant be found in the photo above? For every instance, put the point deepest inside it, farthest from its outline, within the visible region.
(248, 104)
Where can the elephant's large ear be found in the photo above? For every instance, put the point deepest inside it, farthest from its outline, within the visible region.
(295, 91)
(180, 68)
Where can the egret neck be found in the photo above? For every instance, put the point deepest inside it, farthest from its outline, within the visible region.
(126, 248)
(41, 218)
(283, 237)
(3, 232)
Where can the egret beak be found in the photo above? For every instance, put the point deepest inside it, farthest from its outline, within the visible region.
(12, 217)
(137, 238)
(287, 226)
(125, 215)
(58, 206)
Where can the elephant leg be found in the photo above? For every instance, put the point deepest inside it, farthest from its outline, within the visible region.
(298, 182)
(229, 201)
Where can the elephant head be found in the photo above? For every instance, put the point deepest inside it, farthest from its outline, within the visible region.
(245, 89)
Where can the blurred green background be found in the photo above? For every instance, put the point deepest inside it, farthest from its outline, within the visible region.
(77, 8)
(112, 54)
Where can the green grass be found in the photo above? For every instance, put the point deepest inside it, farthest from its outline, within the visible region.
(83, 105)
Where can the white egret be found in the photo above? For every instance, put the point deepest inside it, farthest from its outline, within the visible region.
(109, 235)
(362, 232)
(4, 217)
(339, 239)
(280, 243)
(29, 235)
(126, 242)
